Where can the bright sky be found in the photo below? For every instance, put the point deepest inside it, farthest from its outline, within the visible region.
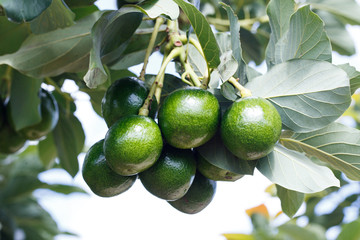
(138, 215)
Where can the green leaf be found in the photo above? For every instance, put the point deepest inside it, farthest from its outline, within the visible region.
(47, 151)
(290, 200)
(64, 189)
(24, 105)
(350, 231)
(55, 52)
(308, 94)
(203, 31)
(294, 171)
(236, 44)
(24, 10)
(12, 35)
(228, 66)
(69, 139)
(79, 3)
(110, 33)
(215, 152)
(57, 15)
(336, 144)
(229, 91)
(346, 10)
(305, 38)
(295, 232)
(340, 38)
(155, 8)
(279, 12)
(353, 75)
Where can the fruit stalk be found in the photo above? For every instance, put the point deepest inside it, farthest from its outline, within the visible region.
(159, 80)
(150, 47)
(190, 71)
(244, 92)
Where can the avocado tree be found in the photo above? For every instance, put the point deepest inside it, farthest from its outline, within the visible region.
(217, 119)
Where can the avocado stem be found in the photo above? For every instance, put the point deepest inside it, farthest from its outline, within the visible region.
(244, 92)
(159, 81)
(151, 45)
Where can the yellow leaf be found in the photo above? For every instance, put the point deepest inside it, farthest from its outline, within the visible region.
(236, 236)
(261, 209)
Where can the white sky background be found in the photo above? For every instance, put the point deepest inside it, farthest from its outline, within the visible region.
(138, 215)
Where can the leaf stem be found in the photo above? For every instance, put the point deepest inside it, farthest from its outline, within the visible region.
(244, 92)
(244, 23)
(151, 45)
(159, 80)
(190, 71)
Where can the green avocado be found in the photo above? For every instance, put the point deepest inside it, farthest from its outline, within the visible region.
(250, 128)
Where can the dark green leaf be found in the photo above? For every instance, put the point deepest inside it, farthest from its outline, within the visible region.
(294, 171)
(69, 139)
(47, 151)
(224, 102)
(203, 31)
(55, 52)
(82, 12)
(216, 153)
(24, 10)
(290, 200)
(252, 49)
(57, 15)
(79, 3)
(111, 33)
(12, 35)
(336, 144)
(24, 105)
(353, 75)
(308, 94)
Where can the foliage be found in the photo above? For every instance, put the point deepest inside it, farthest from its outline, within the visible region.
(45, 42)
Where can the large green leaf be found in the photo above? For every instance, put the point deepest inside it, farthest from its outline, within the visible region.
(24, 10)
(24, 105)
(305, 38)
(203, 31)
(215, 152)
(155, 8)
(353, 75)
(294, 171)
(236, 44)
(308, 94)
(340, 38)
(111, 33)
(279, 12)
(57, 15)
(346, 10)
(12, 35)
(69, 139)
(290, 200)
(336, 144)
(55, 52)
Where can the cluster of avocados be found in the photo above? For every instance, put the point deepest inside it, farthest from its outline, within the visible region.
(11, 141)
(161, 149)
